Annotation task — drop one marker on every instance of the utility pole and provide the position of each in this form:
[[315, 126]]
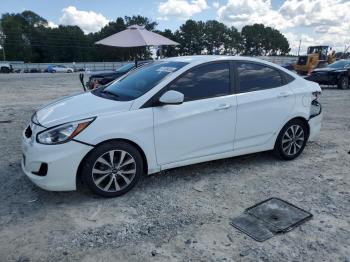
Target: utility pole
[[299, 47]]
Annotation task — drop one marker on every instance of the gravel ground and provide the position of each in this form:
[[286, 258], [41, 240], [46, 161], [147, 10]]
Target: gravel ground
[[178, 215]]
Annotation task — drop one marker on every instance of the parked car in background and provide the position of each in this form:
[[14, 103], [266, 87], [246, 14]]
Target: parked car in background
[[170, 113], [337, 73], [59, 69], [104, 77], [6, 68]]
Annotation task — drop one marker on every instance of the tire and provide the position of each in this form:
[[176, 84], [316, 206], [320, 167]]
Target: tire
[[53, 71], [5, 70], [343, 83], [289, 146], [112, 179]]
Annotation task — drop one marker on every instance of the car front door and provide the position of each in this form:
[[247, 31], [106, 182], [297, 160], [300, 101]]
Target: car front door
[[265, 102], [205, 123]]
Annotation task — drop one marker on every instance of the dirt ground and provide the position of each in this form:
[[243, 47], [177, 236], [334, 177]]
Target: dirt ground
[[179, 215]]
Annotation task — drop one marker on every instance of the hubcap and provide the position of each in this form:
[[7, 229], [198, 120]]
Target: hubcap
[[114, 171], [293, 140]]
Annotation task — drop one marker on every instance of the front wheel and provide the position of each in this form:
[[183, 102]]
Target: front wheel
[[291, 140], [343, 83], [112, 168]]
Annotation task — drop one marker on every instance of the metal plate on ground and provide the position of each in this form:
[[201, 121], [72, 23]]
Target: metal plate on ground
[[269, 217]]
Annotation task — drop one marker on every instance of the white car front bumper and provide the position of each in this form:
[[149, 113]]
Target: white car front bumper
[[62, 163]]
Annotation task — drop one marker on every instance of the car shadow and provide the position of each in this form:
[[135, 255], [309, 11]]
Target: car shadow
[[148, 184]]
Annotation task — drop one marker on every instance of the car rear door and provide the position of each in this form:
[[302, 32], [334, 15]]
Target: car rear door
[[204, 124], [264, 102]]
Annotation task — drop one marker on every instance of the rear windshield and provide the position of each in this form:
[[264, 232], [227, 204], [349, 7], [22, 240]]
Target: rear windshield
[[140, 81]]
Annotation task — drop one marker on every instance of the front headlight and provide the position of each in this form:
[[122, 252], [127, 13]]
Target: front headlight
[[63, 133]]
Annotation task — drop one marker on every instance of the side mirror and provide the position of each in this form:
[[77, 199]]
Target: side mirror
[[172, 98]]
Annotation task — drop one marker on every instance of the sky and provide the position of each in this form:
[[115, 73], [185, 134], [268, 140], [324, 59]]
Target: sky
[[314, 22]]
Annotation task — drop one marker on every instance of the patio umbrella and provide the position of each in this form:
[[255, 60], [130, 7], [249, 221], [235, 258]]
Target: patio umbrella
[[135, 36]]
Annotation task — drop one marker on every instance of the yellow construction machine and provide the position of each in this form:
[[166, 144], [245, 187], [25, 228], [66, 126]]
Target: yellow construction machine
[[317, 56]]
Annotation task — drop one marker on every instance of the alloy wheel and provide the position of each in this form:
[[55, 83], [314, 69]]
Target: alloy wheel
[[293, 140], [114, 170], [345, 84]]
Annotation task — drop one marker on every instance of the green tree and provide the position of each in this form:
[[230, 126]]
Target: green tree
[[190, 37], [169, 51], [26, 36], [233, 41], [260, 40], [16, 43], [141, 20], [215, 37]]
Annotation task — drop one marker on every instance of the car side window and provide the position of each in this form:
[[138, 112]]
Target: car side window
[[255, 77], [287, 78], [210, 80]]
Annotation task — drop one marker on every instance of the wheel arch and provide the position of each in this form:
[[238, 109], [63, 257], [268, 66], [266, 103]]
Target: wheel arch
[[303, 119], [143, 155]]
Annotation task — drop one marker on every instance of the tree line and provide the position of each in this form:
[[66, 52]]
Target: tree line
[[27, 37]]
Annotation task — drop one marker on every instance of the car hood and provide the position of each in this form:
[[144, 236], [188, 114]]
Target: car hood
[[328, 69], [76, 107]]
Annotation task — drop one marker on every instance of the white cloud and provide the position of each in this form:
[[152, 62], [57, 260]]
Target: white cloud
[[294, 41], [244, 12], [326, 21], [181, 9], [88, 21], [316, 12], [216, 5], [52, 24]]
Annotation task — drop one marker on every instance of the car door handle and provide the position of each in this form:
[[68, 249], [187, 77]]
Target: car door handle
[[222, 107], [283, 94]]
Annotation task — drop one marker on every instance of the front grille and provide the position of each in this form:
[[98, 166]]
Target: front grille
[[28, 132]]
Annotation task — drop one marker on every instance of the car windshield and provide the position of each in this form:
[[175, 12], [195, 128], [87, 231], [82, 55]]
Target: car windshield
[[340, 64], [140, 81], [125, 68]]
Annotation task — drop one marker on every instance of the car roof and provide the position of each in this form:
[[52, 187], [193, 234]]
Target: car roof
[[200, 59], [210, 58]]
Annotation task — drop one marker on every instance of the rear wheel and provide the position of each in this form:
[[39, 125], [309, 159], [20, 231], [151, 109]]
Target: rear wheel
[[291, 140], [343, 82], [112, 168]]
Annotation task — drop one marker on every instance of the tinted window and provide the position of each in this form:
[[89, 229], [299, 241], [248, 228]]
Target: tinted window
[[287, 78], [139, 81], [204, 81], [255, 77]]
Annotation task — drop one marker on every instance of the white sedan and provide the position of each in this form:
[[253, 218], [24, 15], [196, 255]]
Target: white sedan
[[170, 113], [60, 69]]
